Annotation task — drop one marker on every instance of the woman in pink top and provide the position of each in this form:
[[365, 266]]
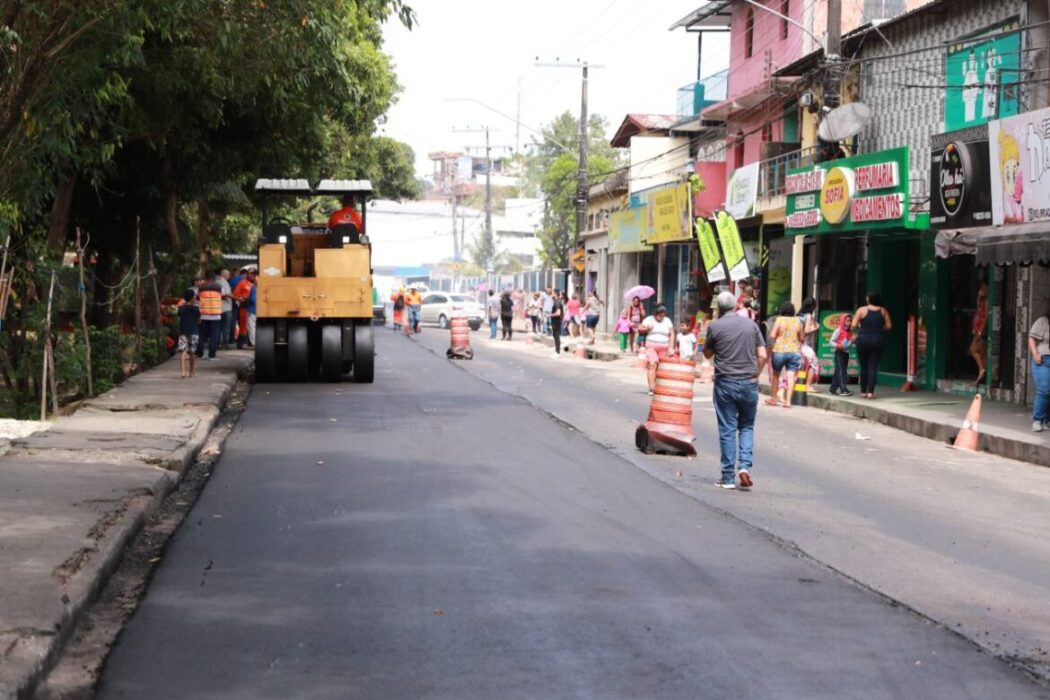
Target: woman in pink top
[[574, 316]]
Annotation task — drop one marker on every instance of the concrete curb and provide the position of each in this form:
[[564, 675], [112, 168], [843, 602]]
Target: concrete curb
[[37, 652], [937, 430]]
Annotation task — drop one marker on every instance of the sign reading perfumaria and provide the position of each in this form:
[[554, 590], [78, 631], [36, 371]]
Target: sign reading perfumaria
[[865, 192]]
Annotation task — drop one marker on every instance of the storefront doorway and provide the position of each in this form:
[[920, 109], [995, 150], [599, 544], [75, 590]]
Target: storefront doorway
[[965, 280]]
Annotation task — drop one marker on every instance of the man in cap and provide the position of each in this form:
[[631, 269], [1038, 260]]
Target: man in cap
[[739, 352], [347, 215]]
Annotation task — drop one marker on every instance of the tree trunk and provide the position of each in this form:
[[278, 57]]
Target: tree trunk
[[204, 236], [171, 220], [60, 208]]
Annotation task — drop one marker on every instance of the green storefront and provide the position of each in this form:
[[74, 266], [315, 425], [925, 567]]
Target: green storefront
[[859, 207]]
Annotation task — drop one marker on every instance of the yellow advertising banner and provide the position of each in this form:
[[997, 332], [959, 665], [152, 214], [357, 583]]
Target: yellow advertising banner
[[669, 214]]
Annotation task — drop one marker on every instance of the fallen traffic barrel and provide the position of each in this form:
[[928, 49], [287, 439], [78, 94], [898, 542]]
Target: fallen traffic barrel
[[459, 344], [670, 424]]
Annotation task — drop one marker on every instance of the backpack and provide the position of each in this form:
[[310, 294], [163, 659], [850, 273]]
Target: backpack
[[399, 303]]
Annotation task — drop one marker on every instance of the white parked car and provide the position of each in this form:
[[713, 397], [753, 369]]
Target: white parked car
[[438, 308]]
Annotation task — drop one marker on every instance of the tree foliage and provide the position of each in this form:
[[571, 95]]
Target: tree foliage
[[551, 171], [118, 116]]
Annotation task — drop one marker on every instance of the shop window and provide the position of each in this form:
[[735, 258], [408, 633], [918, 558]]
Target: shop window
[[785, 9], [749, 33]]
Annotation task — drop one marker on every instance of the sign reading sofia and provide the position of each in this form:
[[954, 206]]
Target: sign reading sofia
[[960, 194], [865, 192], [1019, 155]]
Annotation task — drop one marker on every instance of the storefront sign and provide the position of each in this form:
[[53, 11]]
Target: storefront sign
[[742, 191], [982, 80], [732, 248], [712, 258], [865, 192], [668, 214], [625, 232], [960, 190], [829, 322], [1019, 160]]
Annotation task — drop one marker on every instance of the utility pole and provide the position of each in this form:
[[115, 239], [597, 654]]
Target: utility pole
[[517, 122], [581, 171], [488, 245]]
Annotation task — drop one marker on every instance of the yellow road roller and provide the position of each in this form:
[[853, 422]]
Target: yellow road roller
[[314, 295]]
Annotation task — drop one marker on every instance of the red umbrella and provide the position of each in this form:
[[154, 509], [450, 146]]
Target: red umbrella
[[642, 291]]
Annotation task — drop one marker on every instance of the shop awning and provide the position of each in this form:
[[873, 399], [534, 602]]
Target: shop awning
[[1020, 244]]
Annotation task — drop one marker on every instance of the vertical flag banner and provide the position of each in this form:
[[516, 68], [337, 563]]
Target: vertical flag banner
[[729, 236], [705, 236]]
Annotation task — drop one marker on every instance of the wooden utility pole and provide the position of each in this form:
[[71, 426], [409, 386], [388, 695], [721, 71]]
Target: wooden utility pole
[[158, 325], [581, 170], [47, 363], [138, 291], [81, 252], [5, 281]]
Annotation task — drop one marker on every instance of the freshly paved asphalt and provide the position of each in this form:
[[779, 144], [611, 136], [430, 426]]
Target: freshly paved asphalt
[[431, 536]]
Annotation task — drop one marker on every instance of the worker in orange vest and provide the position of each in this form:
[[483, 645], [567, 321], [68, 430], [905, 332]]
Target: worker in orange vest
[[347, 215], [209, 296]]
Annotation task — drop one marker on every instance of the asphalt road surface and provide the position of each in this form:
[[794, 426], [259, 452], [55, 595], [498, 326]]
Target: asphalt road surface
[[432, 536]]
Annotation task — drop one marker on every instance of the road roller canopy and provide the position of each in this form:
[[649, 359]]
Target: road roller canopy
[[301, 187]]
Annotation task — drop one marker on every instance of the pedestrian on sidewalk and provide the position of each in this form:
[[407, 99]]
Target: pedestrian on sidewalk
[[736, 345], [1039, 347], [635, 314], [871, 322], [414, 300], [978, 347], [535, 312], [557, 313], [398, 297], [548, 306], [686, 341], [227, 309], [209, 295], [241, 293], [592, 313], [659, 341], [787, 337], [189, 333], [841, 340], [623, 328], [574, 316], [506, 312], [492, 310]]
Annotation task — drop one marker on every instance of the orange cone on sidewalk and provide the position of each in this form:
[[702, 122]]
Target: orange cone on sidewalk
[[670, 424], [580, 352], [971, 427]]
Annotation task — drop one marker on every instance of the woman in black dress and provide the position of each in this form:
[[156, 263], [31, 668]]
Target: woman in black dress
[[871, 323]]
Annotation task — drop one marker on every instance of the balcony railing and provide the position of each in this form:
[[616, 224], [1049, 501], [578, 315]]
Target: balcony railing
[[695, 96], [772, 171]]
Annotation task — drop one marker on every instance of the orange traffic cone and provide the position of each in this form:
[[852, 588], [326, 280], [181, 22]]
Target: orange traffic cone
[[580, 352], [967, 437]]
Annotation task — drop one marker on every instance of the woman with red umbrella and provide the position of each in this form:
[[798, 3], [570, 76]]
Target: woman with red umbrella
[[636, 311]]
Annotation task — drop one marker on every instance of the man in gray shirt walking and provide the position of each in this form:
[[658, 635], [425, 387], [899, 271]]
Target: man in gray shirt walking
[[739, 352]]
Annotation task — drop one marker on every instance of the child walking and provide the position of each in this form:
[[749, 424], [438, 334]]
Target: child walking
[[841, 340], [686, 341], [623, 327], [189, 333]]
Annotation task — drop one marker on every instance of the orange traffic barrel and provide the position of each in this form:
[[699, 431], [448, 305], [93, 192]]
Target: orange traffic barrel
[[670, 424], [459, 344]]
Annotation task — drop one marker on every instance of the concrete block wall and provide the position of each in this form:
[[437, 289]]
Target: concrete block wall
[[910, 115]]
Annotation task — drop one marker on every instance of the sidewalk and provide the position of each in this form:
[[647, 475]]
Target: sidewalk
[[73, 496], [1005, 428]]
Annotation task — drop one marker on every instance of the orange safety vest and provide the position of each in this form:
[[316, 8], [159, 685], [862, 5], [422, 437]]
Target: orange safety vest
[[210, 302]]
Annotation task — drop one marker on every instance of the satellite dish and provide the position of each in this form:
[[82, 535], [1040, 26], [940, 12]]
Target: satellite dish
[[844, 122]]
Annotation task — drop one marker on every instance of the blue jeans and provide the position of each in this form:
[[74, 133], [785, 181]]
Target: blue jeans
[[493, 327], [1041, 375], [227, 327], [413, 316], [736, 403]]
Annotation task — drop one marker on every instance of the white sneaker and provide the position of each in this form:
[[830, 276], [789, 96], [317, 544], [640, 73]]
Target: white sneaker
[[1038, 427]]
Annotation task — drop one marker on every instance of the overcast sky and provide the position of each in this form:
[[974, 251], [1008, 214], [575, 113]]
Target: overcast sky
[[480, 49]]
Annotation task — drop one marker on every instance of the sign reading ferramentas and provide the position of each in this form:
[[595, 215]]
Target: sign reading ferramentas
[[860, 193]]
